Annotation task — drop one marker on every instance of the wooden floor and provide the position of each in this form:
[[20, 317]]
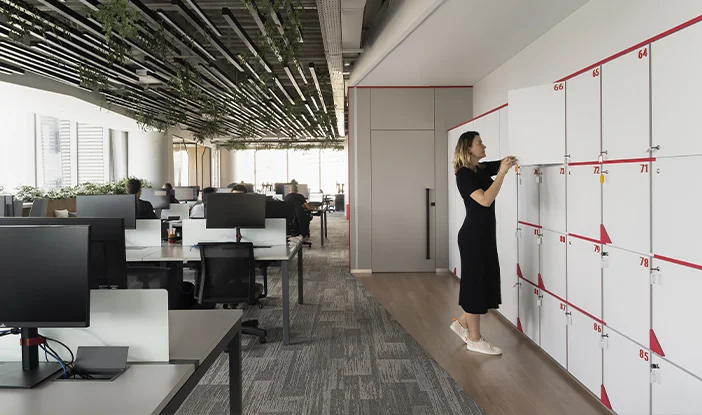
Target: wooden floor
[[524, 380]]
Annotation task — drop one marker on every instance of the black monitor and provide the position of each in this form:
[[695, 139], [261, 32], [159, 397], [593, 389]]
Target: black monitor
[[159, 198], [7, 208], [186, 193], [235, 211], [108, 206], [276, 209], [108, 261], [279, 187], [45, 283]]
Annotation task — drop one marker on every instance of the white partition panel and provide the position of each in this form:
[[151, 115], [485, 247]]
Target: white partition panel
[[491, 136], [176, 209], [195, 231], [508, 274], [674, 391], [529, 310], [676, 93], [537, 124], [585, 275], [625, 105], [626, 374], [584, 201], [552, 198], [677, 197], [134, 318], [675, 306], [553, 327], [552, 265], [147, 233], [583, 116], [584, 352], [626, 293]]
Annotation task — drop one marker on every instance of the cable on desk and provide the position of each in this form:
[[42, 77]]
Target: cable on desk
[[62, 344], [63, 366]]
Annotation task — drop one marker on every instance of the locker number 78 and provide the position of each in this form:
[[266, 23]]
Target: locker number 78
[[644, 262]]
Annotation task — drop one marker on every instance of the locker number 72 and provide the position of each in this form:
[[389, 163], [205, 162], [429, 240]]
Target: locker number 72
[[596, 169]]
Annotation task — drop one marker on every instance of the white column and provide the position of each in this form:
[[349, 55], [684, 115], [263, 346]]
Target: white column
[[227, 162], [118, 154], [147, 156]]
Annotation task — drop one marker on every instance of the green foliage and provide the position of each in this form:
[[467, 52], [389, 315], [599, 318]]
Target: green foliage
[[118, 20], [92, 78], [119, 187]]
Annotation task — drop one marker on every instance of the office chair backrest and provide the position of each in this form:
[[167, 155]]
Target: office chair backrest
[[39, 208], [228, 273], [18, 207]]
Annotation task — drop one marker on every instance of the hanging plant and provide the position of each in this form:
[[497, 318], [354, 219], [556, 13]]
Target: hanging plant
[[92, 78], [117, 17]]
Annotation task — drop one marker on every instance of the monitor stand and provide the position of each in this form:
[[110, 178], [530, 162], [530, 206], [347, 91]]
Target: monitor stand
[[30, 372], [238, 234]]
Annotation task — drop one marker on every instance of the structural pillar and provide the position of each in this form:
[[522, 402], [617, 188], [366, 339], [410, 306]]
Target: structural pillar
[[148, 155], [227, 163]]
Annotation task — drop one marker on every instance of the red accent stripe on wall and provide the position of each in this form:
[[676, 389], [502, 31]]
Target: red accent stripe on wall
[[604, 236], [678, 262], [410, 86], [584, 238], [479, 116], [622, 161], [566, 302], [633, 48], [530, 224], [604, 397], [585, 163]]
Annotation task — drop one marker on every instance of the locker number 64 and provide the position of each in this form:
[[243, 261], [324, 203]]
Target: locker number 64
[[643, 53]]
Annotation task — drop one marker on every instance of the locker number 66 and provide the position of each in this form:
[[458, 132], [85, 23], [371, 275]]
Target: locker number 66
[[558, 87]]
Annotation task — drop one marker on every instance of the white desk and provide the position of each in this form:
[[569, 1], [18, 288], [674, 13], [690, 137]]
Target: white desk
[[279, 253]]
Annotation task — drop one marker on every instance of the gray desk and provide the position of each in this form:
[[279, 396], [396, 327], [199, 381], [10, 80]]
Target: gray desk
[[278, 253], [197, 338]]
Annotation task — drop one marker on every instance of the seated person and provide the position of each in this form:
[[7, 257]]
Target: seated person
[[171, 193], [198, 211], [144, 209], [239, 188], [300, 202]]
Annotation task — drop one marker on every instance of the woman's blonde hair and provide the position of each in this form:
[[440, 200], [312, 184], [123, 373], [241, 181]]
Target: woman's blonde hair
[[461, 156]]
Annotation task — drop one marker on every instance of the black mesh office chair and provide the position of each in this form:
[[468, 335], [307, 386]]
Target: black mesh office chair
[[228, 276], [300, 214]]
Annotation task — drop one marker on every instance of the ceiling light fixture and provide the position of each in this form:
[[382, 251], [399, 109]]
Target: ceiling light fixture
[[294, 82], [313, 71]]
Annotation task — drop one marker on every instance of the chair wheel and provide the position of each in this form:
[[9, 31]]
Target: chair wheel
[[262, 340]]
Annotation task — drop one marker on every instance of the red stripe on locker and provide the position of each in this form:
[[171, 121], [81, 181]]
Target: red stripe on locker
[[454, 272], [677, 261], [541, 283], [586, 313], [530, 224], [655, 345], [519, 325], [623, 161], [529, 281], [584, 163], [584, 238], [566, 301], [604, 398], [604, 236], [479, 116], [519, 271]]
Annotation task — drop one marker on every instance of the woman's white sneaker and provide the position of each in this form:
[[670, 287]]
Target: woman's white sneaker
[[461, 331], [482, 346]]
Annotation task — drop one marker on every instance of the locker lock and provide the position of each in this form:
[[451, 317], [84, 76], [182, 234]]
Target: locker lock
[[655, 366], [653, 148]]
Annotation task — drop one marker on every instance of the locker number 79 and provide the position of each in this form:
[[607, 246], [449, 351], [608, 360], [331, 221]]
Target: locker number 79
[[597, 248]]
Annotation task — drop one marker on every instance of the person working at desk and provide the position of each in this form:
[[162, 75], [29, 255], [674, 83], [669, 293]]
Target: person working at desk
[[198, 211], [302, 209], [144, 209], [239, 188], [171, 193]]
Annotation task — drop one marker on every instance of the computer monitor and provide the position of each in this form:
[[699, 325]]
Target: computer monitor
[[276, 209], [235, 211], [45, 283], [108, 262], [316, 197], [249, 187], [7, 208], [159, 198], [186, 193], [108, 206], [279, 188]]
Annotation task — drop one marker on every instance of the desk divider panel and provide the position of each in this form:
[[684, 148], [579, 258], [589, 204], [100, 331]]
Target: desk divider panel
[[134, 318], [176, 209], [195, 231], [147, 233]]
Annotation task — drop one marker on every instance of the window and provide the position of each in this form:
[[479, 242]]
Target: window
[[54, 156], [303, 166], [91, 154], [244, 167], [334, 167], [271, 167]]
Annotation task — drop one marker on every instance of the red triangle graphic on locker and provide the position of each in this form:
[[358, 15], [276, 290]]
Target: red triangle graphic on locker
[[604, 236], [541, 283], [454, 272], [519, 325], [655, 344], [604, 398], [519, 271]]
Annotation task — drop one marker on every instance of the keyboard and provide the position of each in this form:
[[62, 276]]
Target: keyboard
[[262, 246]]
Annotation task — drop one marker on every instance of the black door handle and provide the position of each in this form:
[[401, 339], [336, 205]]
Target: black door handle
[[428, 191]]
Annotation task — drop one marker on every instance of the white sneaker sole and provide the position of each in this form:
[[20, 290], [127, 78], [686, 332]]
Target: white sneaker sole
[[482, 351]]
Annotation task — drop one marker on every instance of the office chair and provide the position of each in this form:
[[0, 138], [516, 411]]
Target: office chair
[[39, 208], [300, 212], [228, 277]]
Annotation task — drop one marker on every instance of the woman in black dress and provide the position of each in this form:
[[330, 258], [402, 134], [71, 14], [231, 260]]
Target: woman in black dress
[[480, 268]]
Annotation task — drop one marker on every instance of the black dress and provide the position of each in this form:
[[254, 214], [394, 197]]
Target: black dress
[[477, 243]]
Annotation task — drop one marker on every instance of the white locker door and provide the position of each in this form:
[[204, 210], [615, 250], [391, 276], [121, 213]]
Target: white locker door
[[584, 352], [552, 198], [677, 197], [505, 149], [528, 244], [625, 105], [675, 307], [553, 327], [626, 290], [459, 217], [583, 116], [676, 92], [479, 126], [529, 310], [507, 200], [528, 198], [584, 275], [553, 262], [584, 201], [626, 202], [491, 136], [626, 374], [674, 391]]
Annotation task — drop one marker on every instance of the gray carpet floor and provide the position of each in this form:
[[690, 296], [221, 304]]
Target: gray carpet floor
[[347, 354]]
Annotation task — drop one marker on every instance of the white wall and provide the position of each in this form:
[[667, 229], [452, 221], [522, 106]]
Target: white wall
[[596, 31], [148, 154], [17, 145]]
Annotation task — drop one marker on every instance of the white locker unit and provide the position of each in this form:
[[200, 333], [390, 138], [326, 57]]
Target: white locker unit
[[528, 244], [677, 222], [491, 135], [625, 105], [537, 124], [459, 211], [676, 93], [626, 292], [553, 325], [552, 198], [529, 310], [584, 352], [583, 117], [507, 202], [674, 391], [584, 201], [626, 374], [479, 126], [626, 205], [552, 264], [585, 275], [676, 297], [528, 194]]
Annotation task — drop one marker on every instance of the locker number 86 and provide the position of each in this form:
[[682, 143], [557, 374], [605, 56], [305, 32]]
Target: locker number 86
[[597, 327]]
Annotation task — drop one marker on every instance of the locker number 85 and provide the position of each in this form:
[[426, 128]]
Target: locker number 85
[[643, 354]]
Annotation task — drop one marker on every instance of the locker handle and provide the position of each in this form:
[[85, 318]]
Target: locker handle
[[428, 201]]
